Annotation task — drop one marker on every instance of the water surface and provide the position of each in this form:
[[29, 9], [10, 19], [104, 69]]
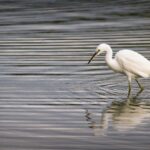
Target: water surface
[[50, 98]]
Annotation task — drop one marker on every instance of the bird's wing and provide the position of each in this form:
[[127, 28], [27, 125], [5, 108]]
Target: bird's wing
[[133, 62]]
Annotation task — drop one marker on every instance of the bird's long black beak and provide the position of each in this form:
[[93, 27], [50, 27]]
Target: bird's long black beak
[[92, 57]]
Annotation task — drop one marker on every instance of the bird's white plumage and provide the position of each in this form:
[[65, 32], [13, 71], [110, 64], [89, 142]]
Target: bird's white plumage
[[128, 62], [134, 63]]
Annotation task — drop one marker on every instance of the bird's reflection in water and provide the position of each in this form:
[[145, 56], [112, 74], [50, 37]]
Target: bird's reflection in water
[[121, 116]]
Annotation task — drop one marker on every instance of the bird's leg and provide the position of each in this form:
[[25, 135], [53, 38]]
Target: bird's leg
[[129, 88], [140, 86], [129, 84]]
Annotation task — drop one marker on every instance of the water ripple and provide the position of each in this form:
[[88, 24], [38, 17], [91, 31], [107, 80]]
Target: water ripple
[[50, 98]]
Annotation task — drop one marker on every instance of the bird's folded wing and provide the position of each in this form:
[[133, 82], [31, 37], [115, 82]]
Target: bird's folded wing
[[134, 63]]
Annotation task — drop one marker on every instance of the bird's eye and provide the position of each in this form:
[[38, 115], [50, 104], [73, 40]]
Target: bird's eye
[[98, 50]]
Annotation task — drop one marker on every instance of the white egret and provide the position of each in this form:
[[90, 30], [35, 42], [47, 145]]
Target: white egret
[[127, 62]]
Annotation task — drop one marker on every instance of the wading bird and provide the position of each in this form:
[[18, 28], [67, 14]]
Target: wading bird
[[127, 62]]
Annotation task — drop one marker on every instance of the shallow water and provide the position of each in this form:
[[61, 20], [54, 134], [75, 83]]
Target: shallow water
[[50, 98]]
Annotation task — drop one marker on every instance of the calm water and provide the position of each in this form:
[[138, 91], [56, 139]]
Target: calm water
[[50, 98]]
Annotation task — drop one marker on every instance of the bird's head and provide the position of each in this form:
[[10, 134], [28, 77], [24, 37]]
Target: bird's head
[[100, 49]]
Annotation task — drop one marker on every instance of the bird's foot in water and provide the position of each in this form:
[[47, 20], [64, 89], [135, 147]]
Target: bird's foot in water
[[140, 91]]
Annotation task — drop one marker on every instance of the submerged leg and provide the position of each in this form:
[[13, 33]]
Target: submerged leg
[[129, 84], [140, 86], [129, 88]]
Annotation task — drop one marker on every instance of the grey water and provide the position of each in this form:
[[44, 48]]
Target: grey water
[[50, 98]]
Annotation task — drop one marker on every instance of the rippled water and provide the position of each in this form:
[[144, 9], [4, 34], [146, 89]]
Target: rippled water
[[50, 98]]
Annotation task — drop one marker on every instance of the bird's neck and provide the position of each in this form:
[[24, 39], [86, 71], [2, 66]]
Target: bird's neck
[[112, 63], [108, 57]]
